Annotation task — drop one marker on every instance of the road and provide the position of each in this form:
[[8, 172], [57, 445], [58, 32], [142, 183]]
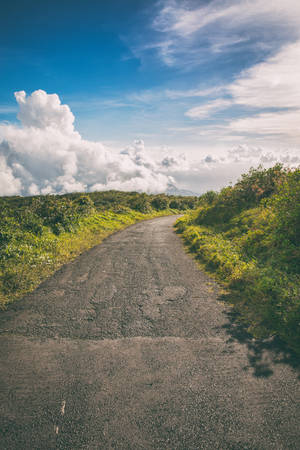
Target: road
[[130, 347]]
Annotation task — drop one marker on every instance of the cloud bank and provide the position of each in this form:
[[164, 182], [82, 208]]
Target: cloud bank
[[46, 155]]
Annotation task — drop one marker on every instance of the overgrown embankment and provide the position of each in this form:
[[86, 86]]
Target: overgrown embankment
[[248, 235], [39, 234]]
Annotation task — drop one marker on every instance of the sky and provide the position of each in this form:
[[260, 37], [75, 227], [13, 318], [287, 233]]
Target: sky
[[144, 95]]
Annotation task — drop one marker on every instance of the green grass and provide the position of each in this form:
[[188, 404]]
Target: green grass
[[39, 234], [251, 244], [35, 258]]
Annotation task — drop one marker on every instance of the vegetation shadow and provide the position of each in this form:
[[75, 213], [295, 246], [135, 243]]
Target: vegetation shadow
[[263, 354]]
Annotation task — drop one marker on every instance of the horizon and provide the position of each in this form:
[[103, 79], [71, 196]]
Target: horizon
[[138, 97]]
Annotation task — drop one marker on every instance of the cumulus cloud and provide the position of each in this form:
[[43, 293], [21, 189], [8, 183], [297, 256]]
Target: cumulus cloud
[[215, 171], [9, 185], [210, 159], [45, 154], [290, 159], [42, 110], [244, 152], [257, 155], [170, 163], [268, 157]]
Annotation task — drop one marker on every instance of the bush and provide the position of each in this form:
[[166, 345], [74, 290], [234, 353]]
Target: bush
[[286, 203], [160, 202], [140, 203], [208, 198], [248, 235], [176, 204], [254, 186], [84, 205], [38, 234], [31, 222]]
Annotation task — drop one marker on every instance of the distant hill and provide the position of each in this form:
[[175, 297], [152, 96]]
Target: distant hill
[[173, 190]]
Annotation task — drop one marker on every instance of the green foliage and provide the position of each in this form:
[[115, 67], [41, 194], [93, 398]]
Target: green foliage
[[83, 205], [38, 234], [160, 202], [248, 235], [256, 185], [286, 203], [175, 204], [208, 198], [140, 203], [183, 203], [60, 214]]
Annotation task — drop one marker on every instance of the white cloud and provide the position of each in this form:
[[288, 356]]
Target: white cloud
[[290, 159], [9, 185], [232, 14], [266, 95], [244, 152], [175, 94], [46, 155], [205, 110], [258, 155], [273, 83], [268, 158], [210, 159], [210, 174], [189, 32], [42, 110], [277, 123]]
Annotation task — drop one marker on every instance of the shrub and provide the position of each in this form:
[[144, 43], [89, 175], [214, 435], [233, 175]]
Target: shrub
[[30, 221], [248, 235], [84, 205], [175, 204], [160, 202], [208, 198], [286, 203], [140, 203], [254, 186]]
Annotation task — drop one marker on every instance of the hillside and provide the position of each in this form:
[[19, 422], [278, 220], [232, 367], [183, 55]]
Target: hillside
[[248, 236], [39, 234]]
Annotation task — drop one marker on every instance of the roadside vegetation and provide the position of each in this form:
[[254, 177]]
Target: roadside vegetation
[[248, 235], [39, 234]]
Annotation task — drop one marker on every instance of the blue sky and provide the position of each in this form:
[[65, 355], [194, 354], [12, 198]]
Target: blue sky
[[196, 77]]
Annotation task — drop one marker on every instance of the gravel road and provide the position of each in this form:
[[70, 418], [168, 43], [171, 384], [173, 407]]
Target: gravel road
[[130, 347]]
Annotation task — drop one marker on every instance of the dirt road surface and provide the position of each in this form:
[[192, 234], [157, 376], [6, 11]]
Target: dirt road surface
[[128, 347]]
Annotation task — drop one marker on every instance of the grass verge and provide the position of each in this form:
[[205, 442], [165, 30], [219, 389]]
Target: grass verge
[[247, 236], [32, 259], [266, 298]]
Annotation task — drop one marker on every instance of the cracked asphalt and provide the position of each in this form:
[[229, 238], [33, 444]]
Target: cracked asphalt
[[130, 347]]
